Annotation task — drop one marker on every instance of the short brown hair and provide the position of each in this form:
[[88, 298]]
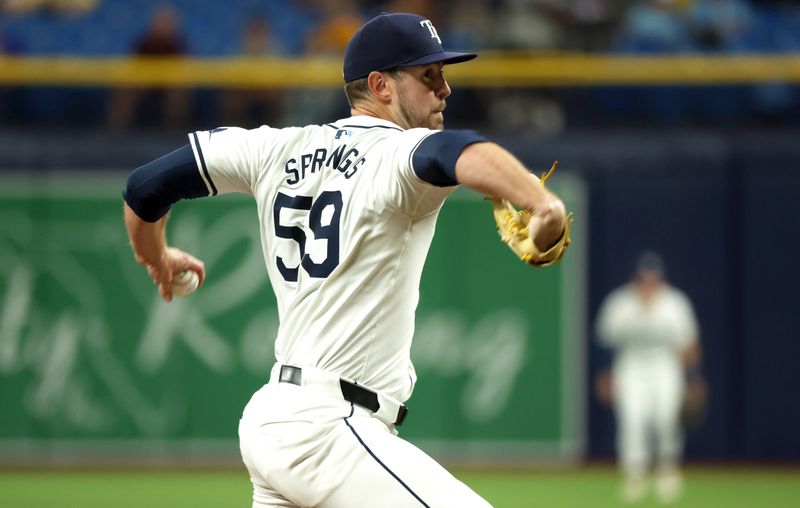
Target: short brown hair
[[358, 89]]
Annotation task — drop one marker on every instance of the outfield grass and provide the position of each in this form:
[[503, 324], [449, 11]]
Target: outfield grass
[[576, 488], [598, 488]]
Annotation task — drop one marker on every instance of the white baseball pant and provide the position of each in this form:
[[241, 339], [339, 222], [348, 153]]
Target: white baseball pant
[[648, 395], [305, 446]]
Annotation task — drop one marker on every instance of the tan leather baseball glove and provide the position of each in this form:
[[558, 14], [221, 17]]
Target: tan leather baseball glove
[[512, 226]]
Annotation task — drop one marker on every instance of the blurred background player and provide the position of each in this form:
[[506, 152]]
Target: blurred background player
[[652, 330]]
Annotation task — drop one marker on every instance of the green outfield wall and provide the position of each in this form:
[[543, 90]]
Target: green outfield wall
[[92, 361]]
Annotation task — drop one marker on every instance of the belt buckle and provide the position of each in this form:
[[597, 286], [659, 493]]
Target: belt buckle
[[290, 374]]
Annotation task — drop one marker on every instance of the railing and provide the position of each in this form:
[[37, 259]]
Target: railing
[[489, 70]]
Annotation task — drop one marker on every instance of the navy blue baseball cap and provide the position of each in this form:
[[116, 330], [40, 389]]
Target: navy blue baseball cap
[[392, 40]]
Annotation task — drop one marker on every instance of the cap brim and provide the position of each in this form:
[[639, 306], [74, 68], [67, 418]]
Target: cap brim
[[446, 57]]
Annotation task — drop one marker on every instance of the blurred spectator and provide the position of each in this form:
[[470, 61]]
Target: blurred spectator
[[553, 24], [720, 25], [426, 8], [337, 23], [251, 107], [530, 24], [469, 25], [258, 39], [168, 107], [535, 110], [592, 24], [652, 330], [65, 7], [163, 38], [654, 26]]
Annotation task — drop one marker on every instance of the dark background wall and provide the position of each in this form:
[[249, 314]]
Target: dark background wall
[[722, 209]]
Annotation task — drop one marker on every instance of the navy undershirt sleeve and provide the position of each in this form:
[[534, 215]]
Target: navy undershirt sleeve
[[434, 159], [153, 188]]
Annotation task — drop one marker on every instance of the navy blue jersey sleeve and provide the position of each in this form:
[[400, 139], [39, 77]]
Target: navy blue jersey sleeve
[[434, 159], [153, 188]]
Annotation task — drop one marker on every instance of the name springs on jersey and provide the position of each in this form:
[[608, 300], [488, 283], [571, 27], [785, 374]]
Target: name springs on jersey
[[344, 160]]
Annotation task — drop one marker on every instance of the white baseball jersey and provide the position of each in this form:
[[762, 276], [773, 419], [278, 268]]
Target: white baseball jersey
[[346, 225], [640, 332]]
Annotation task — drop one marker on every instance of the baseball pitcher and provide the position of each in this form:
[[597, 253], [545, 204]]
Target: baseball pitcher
[[347, 212]]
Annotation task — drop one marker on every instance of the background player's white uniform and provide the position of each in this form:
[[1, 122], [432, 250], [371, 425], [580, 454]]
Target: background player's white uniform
[[648, 374], [346, 225]]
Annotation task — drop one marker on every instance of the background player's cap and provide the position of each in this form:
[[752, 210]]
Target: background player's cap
[[649, 261], [392, 40]]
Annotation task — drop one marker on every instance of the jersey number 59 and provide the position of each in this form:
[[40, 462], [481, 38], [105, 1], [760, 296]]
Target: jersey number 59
[[329, 232]]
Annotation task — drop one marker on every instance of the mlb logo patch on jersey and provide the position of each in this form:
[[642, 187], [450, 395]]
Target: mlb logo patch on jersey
[[344, 133]]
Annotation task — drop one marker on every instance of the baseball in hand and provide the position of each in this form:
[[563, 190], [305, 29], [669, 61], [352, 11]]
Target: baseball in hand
[[185, 283]]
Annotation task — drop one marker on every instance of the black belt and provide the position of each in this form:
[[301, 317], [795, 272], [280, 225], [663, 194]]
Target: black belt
[[351, 392]]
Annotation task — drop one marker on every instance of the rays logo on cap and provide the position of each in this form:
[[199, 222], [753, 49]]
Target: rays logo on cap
[[393, 40], [432, 29]]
